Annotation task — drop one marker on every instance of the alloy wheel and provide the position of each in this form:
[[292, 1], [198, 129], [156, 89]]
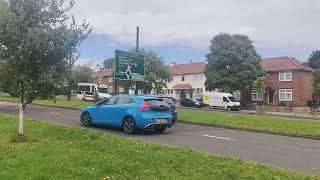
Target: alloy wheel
[[86, 119], [128, 125]]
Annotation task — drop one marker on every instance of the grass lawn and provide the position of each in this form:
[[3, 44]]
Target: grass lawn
[[59, 152], [60, 102], [258, 122]]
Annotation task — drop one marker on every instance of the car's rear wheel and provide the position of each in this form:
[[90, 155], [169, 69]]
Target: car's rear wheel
[[161, 129], [86, 119], [129, 125]]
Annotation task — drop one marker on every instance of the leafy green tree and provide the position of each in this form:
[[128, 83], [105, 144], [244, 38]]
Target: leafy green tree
[[314, 60], [35, 45], [82, 74], [108, 63], [233, 64], [259, 85], [316, 81], [156, 72], [76, 34]]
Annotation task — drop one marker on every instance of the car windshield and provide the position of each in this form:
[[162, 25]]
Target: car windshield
[[102, 90], [232, 99]]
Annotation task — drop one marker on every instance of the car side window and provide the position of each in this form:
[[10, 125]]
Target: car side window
[[132, 101], [225, 99], [109, 101], [123, 100]]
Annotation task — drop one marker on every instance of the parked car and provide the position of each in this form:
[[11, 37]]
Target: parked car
[[172, 103], [221, 100], [129, 112], [192, 103]]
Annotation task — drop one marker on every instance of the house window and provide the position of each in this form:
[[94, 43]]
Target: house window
[[182, 78], [285, 76], [256, 95], [171, 91], [110, 79], [285, 94]]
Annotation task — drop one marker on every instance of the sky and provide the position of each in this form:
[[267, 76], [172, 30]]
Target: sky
[[181, 30]]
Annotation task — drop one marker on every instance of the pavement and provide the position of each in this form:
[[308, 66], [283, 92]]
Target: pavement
[[298, 154]]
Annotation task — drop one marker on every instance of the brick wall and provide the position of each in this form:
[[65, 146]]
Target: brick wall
[[301, 85]]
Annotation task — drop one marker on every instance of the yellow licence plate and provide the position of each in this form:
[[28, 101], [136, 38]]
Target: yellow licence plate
[[162, 120]]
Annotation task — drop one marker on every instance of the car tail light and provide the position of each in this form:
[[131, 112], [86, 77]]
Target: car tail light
[[145, 106]]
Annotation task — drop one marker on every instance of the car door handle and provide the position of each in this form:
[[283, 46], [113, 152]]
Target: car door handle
[[123, 108]]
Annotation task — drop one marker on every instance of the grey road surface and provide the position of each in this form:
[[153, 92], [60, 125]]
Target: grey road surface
[[281, 151]]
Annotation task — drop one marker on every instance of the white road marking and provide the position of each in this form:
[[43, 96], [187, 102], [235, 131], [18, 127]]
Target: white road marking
[[55, 113], [217, 137]]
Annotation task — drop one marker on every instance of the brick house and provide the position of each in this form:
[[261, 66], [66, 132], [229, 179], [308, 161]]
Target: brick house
[[106, 77], [288, 82]]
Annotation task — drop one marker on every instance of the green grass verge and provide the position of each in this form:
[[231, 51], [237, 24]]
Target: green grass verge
[[250, 121], [60, 102], [59, 152]]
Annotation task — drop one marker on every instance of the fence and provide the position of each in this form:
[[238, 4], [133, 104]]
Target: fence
[[305, 112]]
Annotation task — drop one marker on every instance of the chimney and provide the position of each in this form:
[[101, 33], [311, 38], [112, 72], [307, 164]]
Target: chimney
[[190, 61]]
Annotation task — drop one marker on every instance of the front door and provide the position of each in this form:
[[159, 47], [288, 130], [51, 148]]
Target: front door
[[270, 97], [105, 113], [183, 94]]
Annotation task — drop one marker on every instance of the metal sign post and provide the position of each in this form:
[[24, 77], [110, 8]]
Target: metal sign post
[[129, 66]]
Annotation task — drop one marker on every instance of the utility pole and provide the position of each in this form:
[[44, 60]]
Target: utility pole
[[137, 51]]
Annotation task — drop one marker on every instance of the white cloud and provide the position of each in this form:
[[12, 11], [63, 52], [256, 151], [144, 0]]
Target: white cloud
[[269, 23], [83, 61]]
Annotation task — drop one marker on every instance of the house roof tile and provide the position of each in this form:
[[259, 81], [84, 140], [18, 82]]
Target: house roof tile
[[182, 86], [190, 68], [282, 64], [106, 73]]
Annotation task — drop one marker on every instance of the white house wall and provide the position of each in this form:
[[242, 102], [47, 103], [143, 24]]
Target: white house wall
[[188, 79]]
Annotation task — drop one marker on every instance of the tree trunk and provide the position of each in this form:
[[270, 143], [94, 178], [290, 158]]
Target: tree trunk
[[21, 119], [244, 97], [69, 91]]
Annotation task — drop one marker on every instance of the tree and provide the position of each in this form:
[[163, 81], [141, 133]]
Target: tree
[[108, 63], [259, 85], [76, 35], [82, 74], [156, 72], [233, 64], [316, 81], [314, 60], [35, 45]]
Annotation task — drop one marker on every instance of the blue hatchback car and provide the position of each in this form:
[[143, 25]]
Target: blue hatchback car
[[129, 112]]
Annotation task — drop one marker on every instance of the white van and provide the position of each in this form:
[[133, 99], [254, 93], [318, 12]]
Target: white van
[[221, 100], [102, 90]]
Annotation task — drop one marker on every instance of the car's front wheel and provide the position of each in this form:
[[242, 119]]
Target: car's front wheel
[[86, 119], [129, 125]]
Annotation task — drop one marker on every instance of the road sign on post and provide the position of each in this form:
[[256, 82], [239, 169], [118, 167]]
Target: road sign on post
[[129, 66]]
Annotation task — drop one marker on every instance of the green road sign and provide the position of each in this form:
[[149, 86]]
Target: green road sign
[[129, 66]]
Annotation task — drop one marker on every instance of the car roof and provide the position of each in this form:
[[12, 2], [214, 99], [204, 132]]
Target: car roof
[[137, 96]]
